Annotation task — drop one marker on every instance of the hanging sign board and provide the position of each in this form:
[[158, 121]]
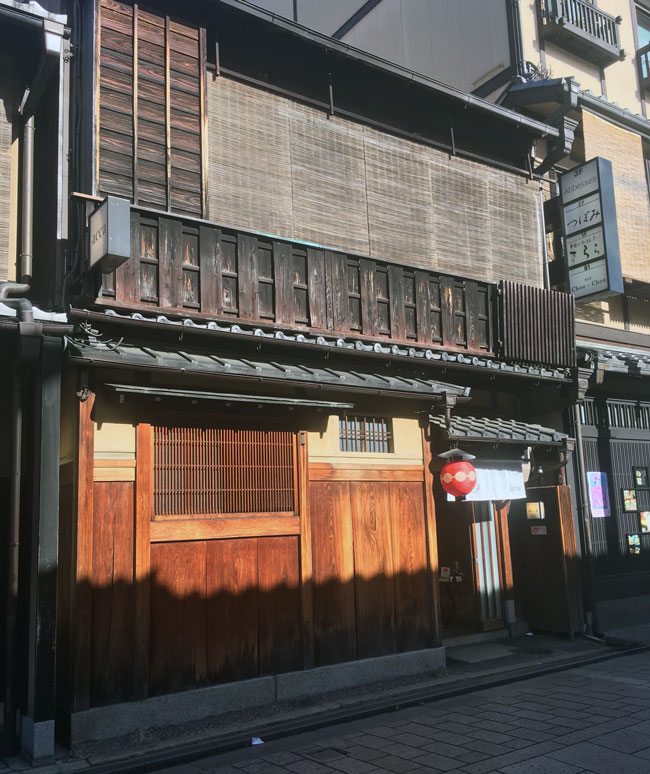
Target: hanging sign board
[[109, 228], [590, 231], [497, 481]]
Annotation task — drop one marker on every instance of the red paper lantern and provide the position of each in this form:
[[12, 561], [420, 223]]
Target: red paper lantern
[[458, 478]]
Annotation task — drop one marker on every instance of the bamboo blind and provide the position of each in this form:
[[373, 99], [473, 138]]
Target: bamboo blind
[[6, 125], [625, 151], [211, 471], [288, 169]]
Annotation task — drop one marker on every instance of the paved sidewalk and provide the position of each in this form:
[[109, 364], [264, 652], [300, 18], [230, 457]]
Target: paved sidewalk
[[589, 719]]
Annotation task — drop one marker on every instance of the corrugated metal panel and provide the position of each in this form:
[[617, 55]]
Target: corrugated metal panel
[[487, 562], [609, 535], [288, 169], [7, 108]]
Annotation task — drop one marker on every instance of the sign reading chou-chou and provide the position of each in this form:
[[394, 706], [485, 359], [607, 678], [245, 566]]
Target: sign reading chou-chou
[[591, 231]]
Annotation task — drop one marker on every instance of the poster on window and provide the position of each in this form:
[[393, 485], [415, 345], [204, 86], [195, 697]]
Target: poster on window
[[598, 494]]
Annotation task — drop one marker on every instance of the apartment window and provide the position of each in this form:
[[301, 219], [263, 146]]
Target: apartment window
[[372, 435], [643, 27]]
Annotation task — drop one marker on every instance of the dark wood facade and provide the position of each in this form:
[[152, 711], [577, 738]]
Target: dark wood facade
[[183, 601], [218, 548], [205, 271]]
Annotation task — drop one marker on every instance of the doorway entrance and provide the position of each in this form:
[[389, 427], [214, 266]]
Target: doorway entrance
[[470, 567]]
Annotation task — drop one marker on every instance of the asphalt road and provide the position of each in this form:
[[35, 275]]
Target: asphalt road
[[589, 719]]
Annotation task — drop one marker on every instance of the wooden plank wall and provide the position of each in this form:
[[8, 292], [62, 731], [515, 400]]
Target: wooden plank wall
[[240, 276], [168, 612], [151, 133], [372, 580]]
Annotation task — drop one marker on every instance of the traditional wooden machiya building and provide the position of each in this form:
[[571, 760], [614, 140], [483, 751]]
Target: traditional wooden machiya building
[[328, 272]]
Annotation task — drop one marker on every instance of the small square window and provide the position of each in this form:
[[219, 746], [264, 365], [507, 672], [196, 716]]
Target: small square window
[[372, 435]]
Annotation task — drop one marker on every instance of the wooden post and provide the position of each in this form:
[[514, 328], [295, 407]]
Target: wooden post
[[306, 579], [82, 602], [432, 538], [142, 555]]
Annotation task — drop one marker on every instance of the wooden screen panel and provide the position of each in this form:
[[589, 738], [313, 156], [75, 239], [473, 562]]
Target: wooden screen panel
[[412, 589], [151, 114], [332, 572], [232, 609], [116, 136], [112, 653], [178, 616], [374, 568], [211, 471]]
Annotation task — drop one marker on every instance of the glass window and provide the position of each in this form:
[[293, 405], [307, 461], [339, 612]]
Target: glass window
[[372, 435]]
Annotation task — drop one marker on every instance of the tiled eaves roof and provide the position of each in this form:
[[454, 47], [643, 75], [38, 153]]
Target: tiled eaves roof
[[410, 354], [614, 359], [258, 369], [501, 430]]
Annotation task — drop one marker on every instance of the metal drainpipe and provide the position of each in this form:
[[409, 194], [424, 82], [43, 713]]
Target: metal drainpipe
[[26, 253], [547, 276], [25, 314], [585, 522], [13, 544]]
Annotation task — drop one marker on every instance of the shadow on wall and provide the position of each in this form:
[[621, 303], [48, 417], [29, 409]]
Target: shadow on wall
[[207, 624]]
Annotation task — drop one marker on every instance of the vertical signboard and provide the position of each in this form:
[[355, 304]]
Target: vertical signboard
[[590, 231]]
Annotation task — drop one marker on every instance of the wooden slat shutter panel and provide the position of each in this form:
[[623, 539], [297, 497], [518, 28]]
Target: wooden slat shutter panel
[[116, 99], [151, 109]]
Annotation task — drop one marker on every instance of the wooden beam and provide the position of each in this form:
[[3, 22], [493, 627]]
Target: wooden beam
[[82, 594], [203, 62], [321, 471], [306, 573], [219, 528], [142, 555], [432, 539]]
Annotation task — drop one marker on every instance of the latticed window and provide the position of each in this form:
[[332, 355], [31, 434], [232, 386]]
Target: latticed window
[[365, 434], [213, 471]]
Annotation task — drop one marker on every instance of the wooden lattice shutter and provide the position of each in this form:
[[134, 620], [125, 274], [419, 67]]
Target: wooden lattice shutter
[[151, 114]]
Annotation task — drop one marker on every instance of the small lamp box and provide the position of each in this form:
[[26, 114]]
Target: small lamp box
[[109, 229]]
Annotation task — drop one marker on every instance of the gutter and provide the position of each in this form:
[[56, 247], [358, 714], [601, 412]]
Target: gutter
[[537, 128]]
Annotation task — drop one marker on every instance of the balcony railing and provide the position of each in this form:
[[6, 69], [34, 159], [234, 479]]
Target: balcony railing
[[582, 28], [180, 266], [643, 67]]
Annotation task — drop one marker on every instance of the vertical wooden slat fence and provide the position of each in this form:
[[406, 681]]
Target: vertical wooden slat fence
[[537, 326], [212, 471]]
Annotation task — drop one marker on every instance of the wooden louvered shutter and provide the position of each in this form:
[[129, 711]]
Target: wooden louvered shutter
[[151, 127]]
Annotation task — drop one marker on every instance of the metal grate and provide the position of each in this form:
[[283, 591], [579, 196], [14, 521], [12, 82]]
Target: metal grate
[[211, 471], [365, 434]]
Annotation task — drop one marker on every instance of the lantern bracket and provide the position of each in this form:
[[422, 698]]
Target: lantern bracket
[[456, 454]]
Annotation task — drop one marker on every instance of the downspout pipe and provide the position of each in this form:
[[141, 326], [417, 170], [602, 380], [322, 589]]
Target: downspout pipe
[[13, 548], [25, 315], [589, 588], [27, 224]]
